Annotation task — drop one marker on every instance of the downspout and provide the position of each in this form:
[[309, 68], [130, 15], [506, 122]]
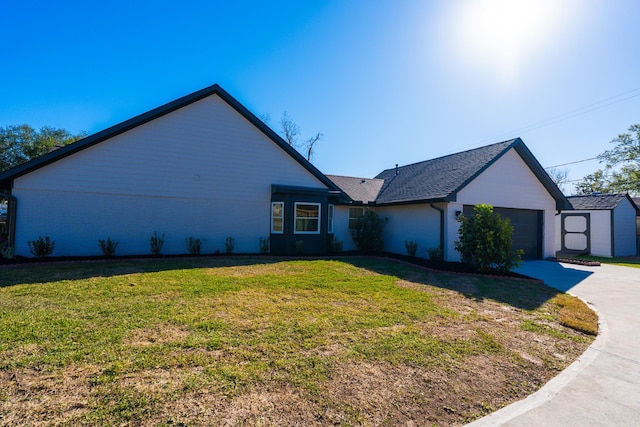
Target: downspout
[[441, 228]]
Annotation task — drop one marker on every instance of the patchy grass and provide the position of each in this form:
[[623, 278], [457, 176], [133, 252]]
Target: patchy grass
[[576, 314], [260, 341]]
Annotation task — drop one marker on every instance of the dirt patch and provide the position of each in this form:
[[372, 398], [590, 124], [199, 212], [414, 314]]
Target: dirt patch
[[161, 334]]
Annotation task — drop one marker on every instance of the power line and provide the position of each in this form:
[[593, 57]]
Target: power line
[[572, 163], [569, 115]]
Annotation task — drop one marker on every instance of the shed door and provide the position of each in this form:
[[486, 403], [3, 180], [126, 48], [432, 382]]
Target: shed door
[[527, 229]]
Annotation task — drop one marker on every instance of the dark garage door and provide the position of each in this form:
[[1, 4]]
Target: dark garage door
[[527, 229]]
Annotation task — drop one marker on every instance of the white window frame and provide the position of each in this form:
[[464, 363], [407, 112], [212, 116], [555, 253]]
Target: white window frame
[[281, 217], [295, 217], [353, 217], [330, 213]]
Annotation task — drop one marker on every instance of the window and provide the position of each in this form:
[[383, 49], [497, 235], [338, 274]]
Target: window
[[307, 218], [277, 217], [330, 219], [354, 215]]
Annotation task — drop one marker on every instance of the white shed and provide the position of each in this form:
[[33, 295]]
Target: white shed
[[599, 224]]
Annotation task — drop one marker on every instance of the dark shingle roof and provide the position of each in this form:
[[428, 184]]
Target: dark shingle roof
[[440, 179], [364, 190], [437, 179], [597, 201]]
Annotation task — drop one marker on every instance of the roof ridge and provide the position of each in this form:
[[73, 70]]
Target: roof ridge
[[510, 141], [350, 176]]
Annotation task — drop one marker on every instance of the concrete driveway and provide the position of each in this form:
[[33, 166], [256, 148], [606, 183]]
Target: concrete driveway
[[601, 388]]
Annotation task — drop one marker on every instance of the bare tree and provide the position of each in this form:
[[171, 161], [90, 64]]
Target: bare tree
[[289, 129], [311, 143], [559, 176], [290, 132]]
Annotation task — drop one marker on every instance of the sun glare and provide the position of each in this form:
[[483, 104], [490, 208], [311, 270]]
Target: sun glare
[[504, 34]]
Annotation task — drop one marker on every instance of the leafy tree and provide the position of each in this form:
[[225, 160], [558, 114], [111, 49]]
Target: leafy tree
[[367, 233], [21, 143], [596, 182], [485, 240], [625, 155]]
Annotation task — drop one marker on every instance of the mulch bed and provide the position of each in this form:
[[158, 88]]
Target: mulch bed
[[444, 266], [577, 261]]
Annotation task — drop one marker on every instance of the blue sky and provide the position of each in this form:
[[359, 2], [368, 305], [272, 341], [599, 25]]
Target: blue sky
[[385, 81]]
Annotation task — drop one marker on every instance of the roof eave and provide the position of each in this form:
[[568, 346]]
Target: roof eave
[[8, 176]]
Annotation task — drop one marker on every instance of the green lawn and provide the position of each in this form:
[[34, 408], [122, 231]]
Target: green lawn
[[261, 341]]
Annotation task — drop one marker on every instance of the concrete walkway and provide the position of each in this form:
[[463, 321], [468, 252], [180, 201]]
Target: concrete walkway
[[601, 388]]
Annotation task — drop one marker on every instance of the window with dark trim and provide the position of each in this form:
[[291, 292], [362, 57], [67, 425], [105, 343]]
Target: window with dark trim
[[307, 218], [354, 215], [277, 217]]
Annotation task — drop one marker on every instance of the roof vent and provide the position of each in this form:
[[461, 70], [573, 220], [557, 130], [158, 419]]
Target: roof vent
[[397, 169]]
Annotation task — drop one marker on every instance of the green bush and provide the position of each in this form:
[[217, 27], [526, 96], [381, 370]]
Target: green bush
[[367, 233], [264, 245], [485, 240], [7, 252], [229, 245], [411, 247], [335, 245], [42, 247], [435, 254], [193, 245], [108, 246], [299, 247], [156, 243]]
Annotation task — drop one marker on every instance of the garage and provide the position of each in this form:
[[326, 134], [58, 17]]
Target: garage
[[527, 229]]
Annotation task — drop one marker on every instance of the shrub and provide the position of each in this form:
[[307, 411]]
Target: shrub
[[335, 245], [264, 245], [485, 240], [435, 254], [7, 252], [108, 246], [300, 247], [156, 243], [229, 245], [42, 247], [411, 246], [367, 233], [193, 245]]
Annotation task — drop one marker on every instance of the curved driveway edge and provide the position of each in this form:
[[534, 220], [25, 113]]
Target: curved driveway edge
[[602, 387]]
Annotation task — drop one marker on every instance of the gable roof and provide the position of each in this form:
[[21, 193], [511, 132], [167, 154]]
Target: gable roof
[[441, 179], [364, 190], [8, 176], [599, 201]]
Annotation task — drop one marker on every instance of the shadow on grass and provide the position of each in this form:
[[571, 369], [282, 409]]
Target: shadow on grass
[[47, 271], [523, 294]]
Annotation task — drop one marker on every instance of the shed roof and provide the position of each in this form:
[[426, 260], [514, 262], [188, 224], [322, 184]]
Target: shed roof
[[599, 201]]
